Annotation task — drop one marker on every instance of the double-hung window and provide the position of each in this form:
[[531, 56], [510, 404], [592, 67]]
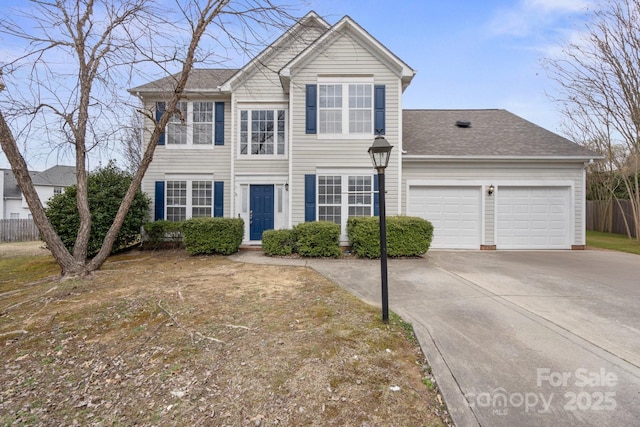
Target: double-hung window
[[202, 123], [188, 199], [344, 196], [192, 125], [345, 108], [262, 132]]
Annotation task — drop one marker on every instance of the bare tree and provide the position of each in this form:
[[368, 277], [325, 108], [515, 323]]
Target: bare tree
[[599, 80], [132, 143], [102, 42]]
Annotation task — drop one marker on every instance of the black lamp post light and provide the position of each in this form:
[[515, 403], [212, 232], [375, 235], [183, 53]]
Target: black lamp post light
[[380, 153]]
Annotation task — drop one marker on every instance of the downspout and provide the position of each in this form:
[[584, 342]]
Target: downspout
[[232, 148], [292, 187], [400, 149]]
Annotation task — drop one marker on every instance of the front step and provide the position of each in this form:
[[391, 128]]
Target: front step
[[251, 247]]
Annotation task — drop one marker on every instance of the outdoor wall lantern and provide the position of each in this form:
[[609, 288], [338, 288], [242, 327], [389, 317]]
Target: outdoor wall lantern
[[491, 189], [286, 186], [380, 153]]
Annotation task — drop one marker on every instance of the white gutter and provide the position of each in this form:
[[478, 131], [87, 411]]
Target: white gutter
[[418, 158]]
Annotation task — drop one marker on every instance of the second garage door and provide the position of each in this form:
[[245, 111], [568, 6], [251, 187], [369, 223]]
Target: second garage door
[[453, 211], [533, 218]]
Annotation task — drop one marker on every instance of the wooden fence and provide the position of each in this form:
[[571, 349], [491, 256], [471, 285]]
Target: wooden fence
[[609, 216], [18, 230]]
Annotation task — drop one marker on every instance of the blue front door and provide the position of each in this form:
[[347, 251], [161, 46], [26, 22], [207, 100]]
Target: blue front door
[[261, 205]]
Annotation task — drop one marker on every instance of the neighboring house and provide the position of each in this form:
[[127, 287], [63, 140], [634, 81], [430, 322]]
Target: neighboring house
[[284, 140], [52, 181]]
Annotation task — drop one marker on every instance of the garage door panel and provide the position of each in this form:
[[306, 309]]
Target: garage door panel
[[533, 218], [454, 212]]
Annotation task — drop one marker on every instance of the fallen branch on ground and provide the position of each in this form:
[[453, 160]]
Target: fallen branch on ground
[[191, 334]]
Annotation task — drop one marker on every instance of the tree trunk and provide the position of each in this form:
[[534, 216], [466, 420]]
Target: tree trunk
[[68, 264]]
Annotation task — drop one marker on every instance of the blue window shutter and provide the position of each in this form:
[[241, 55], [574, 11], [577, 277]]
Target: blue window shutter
[[311, 105], [160, 106], [159, 201], [379, 113], [219, 124], [309, 198], [218, 198], [376, 196]]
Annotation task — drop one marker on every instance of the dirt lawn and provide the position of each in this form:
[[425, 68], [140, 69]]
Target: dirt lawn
[[162, 338]]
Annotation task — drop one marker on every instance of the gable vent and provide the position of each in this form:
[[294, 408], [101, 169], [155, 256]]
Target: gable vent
[[463, 123]]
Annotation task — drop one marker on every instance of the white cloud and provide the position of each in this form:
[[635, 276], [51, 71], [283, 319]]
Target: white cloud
[[529, 16], [551, 6]]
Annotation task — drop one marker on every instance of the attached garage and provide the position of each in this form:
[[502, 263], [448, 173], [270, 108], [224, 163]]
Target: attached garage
[[455, 213], [488, 179], [533, 218]]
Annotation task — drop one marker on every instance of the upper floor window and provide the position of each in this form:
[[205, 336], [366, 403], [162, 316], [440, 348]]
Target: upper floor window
[[193, 125], [57, 190], [345, 108], [262, 132]]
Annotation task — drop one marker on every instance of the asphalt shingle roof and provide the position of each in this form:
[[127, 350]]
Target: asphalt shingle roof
[[56, 176], [492, 133], [199, 79]]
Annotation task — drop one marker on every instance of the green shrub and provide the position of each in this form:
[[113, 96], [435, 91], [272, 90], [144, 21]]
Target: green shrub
[[106, 188], [406, 236], [364, 235], [278, 242], [318, 239], [161, 234], [212, 235]]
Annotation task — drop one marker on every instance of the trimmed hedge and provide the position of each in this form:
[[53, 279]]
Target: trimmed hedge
[[212, 235], [278, 242], [161, 234], [406, 236], [318, 239]]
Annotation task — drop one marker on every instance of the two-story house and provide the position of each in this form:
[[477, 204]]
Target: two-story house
[[284, 140], [47, 183]]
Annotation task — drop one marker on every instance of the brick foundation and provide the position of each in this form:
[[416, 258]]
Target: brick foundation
[[578, 247]]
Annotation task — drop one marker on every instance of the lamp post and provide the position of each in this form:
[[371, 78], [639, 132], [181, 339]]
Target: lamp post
[[380, 153]]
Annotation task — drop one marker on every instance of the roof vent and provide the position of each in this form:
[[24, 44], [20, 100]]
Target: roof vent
[[463, 123]]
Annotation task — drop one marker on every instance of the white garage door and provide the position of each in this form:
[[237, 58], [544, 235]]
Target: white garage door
[[533, 218], [453, 211]]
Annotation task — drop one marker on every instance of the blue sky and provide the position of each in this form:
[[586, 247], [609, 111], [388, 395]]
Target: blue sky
[[467, 53], [471, 54]]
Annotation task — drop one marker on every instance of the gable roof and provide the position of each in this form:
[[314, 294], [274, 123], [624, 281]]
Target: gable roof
[[222, 79], [491, 134], [56, 176], [200, 80], [348, 25], [310, 20]]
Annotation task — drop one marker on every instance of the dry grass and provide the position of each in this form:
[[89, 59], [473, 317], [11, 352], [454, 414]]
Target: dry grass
[[161, 338]]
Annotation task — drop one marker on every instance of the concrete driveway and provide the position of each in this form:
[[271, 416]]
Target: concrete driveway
[[525, 338]]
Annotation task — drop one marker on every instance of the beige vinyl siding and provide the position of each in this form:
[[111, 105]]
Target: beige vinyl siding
[[346, 57], [263, 84], [264, 166], [502, 173], [189, 161]]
